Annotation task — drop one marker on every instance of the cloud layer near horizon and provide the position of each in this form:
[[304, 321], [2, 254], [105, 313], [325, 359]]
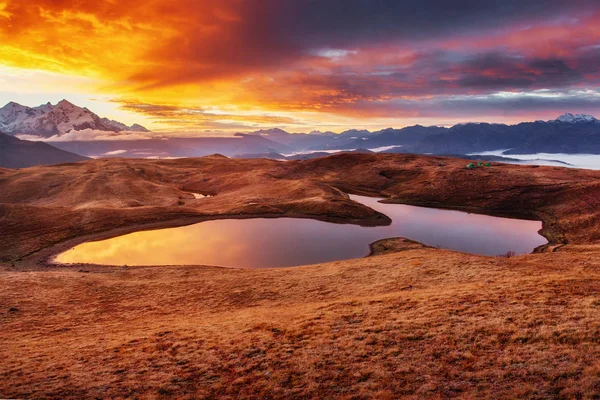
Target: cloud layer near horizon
[[216, 64]]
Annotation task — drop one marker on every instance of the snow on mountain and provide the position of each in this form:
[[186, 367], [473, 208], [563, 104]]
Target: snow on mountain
[[50, 120], [119, 126], [569, 118], [137, 128], [269, 132], [116, 124]]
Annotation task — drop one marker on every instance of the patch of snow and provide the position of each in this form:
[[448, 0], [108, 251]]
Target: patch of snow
[[114, 152], [569, 118], [298, 153], [384, 148]]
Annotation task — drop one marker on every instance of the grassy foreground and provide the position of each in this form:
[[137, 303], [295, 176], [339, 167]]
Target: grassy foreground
[[411, 322]]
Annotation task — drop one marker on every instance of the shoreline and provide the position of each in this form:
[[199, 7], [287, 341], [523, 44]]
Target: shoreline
[[407, 320], [45, 258], [42, 258], [482, 193]]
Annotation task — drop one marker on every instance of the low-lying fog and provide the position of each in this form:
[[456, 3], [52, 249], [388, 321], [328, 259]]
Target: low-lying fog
[[587, 161]]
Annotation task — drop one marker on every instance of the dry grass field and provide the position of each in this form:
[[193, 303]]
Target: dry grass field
[[408, 321]]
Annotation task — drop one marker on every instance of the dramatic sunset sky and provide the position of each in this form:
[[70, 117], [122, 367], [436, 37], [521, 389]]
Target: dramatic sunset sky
[[237, 65]]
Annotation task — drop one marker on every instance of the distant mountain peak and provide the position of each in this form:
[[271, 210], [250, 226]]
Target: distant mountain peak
[[575, 118], [320, 133], [270, 132], [355, 133], [64, 103], [49, 120]]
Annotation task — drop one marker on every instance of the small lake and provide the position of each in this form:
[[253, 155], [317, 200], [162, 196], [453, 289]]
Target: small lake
[[285, 242]]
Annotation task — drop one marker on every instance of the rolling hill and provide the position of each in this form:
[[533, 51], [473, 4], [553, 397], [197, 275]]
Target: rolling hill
[[16, 153]]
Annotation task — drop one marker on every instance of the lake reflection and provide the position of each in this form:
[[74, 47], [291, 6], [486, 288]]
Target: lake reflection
[[284, 242]]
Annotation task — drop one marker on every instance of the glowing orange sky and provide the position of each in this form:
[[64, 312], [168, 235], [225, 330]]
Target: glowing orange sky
[[242, 64]]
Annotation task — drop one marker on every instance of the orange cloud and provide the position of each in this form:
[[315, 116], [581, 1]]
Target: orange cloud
[[206, 118], [262, 60]]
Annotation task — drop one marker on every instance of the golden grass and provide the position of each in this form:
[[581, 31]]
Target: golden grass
[[408, 322], [419, 323]]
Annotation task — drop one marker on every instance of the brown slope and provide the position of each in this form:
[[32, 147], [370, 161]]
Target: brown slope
[[418, 323], [48, 204], [422, 323]]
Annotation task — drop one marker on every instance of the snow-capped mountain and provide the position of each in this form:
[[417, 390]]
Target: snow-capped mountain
[[569, 118], [49, 120], [269, 132]]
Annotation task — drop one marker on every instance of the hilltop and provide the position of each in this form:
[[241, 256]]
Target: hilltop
[[15, 153]]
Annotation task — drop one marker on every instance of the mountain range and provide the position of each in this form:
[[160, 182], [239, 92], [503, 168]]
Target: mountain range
[[175, 147], [315, 140], [50, 120], [569, 133]]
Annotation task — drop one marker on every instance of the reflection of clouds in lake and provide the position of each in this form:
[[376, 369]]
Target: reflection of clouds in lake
[[261, 242]]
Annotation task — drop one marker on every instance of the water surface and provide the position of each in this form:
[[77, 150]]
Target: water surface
[[284, 242]]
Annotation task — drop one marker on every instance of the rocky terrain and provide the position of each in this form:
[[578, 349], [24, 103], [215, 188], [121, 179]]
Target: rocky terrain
[[408, 320]]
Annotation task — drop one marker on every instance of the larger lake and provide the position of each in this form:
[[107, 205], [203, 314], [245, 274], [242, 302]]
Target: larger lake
[[285, 242]]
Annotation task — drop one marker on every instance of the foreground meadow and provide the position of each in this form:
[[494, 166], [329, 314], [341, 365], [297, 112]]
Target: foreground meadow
[[408, 321]]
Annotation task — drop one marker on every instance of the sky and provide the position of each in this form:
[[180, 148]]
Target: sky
[[236, 65]]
